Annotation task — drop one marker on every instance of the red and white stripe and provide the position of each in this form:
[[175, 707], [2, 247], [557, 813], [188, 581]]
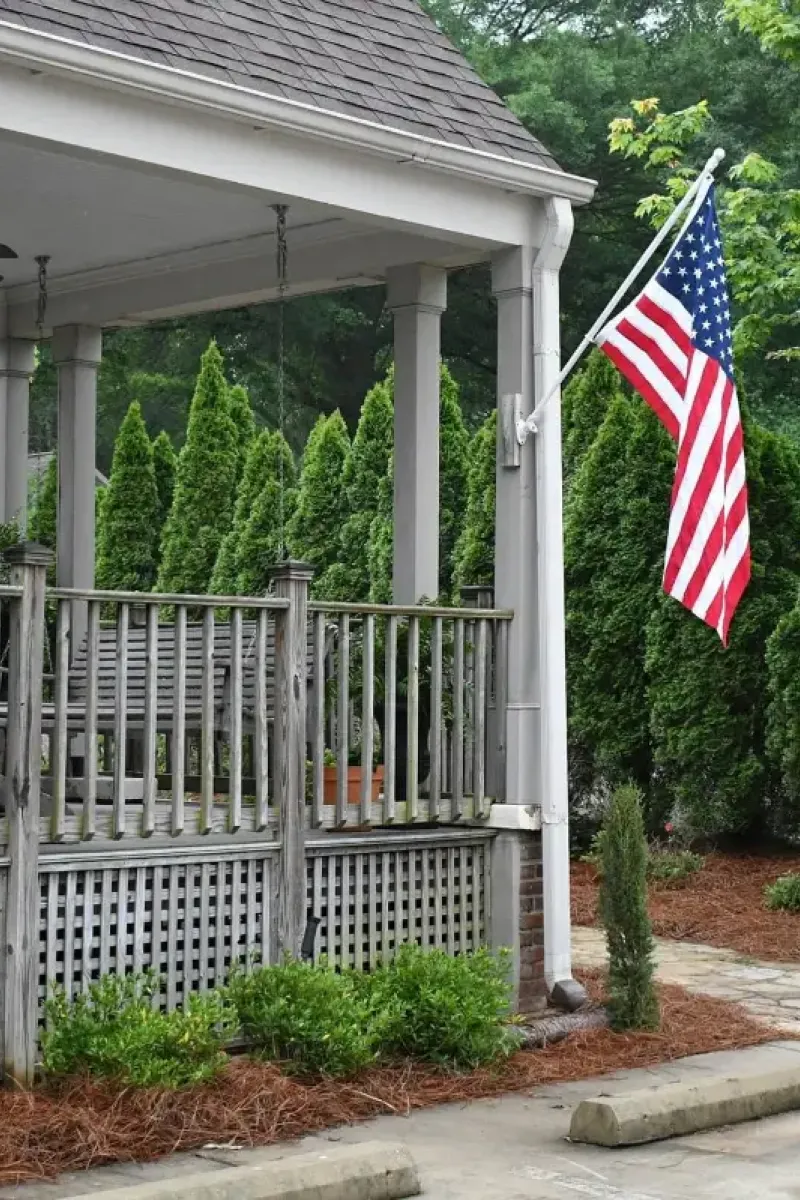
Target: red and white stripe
[[708, 549]]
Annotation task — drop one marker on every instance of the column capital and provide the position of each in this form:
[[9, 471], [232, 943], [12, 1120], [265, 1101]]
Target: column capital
[[77, 344], [416, 286], [17, 358], [512, 271]]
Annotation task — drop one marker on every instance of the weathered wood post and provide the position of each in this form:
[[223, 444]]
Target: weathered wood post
[[29, 563], [292, 580]]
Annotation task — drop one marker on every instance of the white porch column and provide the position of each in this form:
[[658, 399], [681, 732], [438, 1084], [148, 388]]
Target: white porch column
[[417, 296], [16, 368], [529, 578], [76, 352]]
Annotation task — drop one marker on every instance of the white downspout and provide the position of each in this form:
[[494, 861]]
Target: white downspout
[[553, 778]]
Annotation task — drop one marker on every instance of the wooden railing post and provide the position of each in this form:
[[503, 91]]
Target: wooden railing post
[[29, 563], [292, 580]]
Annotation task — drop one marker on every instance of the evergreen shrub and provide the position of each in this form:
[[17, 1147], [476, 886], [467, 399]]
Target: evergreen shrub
[[449, 1011], [308, 1018], [113, 1030], [633, 1003]]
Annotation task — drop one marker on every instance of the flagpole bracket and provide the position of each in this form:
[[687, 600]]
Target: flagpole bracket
[[511, 423]]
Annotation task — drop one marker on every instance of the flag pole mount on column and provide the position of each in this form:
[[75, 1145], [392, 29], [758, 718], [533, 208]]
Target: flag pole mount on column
[[512, 404]]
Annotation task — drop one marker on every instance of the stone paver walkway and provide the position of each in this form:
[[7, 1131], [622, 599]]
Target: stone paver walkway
[[769, 991]]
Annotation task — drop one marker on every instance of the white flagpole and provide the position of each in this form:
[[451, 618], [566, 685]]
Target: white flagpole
[[695, 196]]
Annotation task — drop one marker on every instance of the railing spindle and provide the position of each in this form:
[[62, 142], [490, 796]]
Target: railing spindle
[[179, 723], [343, 753], [390, 724], [90, 759], [60, 736], [260, 724], [458, 719], [318, 747], [367, 717], [236, 722], [436, 720], [207, 731], [412, 755], [121, 720], [469, 708], [479, 746], [150, 720]]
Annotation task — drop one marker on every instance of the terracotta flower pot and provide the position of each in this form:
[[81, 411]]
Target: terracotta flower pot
[[330, 779]]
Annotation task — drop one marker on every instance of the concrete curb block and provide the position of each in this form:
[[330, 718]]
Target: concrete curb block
[[676, 1109], [372, 1171]]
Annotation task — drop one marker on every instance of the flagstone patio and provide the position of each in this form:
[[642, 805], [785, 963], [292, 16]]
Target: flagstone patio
[[769, 991]]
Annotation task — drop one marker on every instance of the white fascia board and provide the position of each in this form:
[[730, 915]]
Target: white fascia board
[[70, 59], [75, 118]]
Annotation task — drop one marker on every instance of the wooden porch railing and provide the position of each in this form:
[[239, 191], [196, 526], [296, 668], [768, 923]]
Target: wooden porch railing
[[217, 720]]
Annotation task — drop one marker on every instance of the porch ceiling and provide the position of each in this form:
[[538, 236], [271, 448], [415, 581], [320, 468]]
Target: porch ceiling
[[128, 245]]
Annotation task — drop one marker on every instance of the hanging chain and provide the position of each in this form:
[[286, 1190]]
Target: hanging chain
[[282, 259], [41, 261]]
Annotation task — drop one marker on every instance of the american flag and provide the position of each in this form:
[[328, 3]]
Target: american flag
[[673, 345]]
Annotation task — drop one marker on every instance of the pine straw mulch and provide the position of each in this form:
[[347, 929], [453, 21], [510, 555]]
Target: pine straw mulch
[[87, 1123], [721, 905]]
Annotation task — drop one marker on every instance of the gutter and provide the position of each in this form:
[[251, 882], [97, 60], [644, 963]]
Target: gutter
[[44, 52]]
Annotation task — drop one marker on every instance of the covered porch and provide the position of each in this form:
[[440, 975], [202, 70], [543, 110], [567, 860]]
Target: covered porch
[[150, 187]]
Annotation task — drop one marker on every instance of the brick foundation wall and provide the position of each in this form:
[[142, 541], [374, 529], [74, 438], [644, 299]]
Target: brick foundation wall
[[532, 986]]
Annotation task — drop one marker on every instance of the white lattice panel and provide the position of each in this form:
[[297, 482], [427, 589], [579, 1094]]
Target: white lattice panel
[[374, 895], [185, 919]]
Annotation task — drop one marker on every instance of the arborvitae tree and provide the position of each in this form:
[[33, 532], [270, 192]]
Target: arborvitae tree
[[224, 580], [586, 401], [165, 462], [453, 471], [615, 532], [592, 535], [709, 704], [126, 560], [365, 468], [241, 412], [262, 541], [321, 510], [474, 553], [205, 485], [633, 1003], [43, 520], [381, 541], [100, 494]]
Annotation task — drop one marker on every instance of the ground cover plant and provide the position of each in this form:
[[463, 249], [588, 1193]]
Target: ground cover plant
[[784, 893]]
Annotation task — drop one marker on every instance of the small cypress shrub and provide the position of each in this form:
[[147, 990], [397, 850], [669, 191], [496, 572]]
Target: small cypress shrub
[[623, 910]]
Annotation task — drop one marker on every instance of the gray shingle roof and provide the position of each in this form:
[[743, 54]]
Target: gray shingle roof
[[383, 60]]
